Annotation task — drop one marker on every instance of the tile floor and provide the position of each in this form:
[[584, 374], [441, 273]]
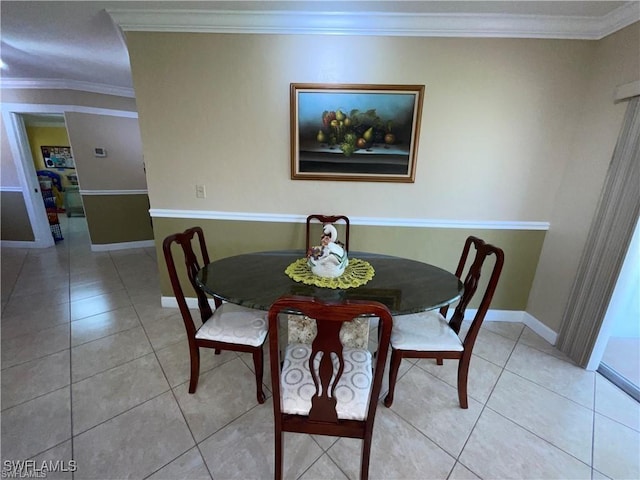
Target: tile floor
[[94, 370]]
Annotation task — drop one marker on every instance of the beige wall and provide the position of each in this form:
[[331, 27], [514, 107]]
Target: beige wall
[[497, 121], [616, 61], [512, 130], [122, 168], [14, 220]]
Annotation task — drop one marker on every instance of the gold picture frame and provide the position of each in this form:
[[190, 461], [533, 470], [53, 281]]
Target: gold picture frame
[[354, 132]]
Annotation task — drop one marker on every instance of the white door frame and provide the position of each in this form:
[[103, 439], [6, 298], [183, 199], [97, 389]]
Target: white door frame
[[25, 167]]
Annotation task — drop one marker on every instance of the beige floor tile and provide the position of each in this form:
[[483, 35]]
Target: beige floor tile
[[28, 347], [60, 458], [188, 466], [32, 379], [398, 451], [99, 304], [108, 352], [223, 394], [493, 347], [81, 291], [532, 339], [616, 449], [432, 406], [616, 404], [553, 373], [324, 469], [107, 394], [134, 444], [460, 472], [510, 330], [483, 375], [149, 307], [163, 331], [245, 448], [552, 417], [102, 325], [31, 318], [176, 362], [33, 427], [500, 449]]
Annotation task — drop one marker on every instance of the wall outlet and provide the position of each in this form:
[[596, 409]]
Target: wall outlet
[[200, 191]]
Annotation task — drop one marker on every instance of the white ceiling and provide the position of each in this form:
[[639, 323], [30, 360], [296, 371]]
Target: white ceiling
[[79, 44]]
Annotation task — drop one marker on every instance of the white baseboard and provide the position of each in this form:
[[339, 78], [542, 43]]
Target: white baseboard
[[23, 244], [540, 328], [192, 302], [122, 246]]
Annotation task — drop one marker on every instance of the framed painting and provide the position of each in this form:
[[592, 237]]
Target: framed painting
[[355, 132]]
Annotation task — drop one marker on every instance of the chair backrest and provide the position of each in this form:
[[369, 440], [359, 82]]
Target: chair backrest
[[327, 219], [192, 264], [471, 281], [329, 318]]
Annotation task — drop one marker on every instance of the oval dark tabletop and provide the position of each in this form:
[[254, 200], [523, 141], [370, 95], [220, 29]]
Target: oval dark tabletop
[[256, 280]]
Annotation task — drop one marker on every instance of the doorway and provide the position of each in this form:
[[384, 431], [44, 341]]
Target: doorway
[[620, 359], [54, 166]]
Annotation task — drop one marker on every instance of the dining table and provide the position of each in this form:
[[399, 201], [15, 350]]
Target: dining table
[[257, 280]]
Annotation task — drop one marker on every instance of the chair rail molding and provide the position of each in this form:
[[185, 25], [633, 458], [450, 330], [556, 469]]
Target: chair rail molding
[[368, 221]]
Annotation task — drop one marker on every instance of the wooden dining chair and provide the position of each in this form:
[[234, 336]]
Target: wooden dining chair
[[430, 335], [326, 388], [327, 219], [228, 327]]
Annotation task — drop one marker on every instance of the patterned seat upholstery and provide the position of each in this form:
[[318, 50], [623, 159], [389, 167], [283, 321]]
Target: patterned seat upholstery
[[352, 391], [235, 324], [424, 331]]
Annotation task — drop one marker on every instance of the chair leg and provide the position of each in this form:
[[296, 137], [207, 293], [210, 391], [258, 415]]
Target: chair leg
[[396, 358], [259, 369], [278, 457], [463, 374], [194, 351], [366, 455]]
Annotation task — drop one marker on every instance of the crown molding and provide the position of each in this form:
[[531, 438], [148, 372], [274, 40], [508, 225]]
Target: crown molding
[[60, 84], [390, 24]]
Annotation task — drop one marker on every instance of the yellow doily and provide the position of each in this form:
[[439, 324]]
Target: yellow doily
[[357, 273]]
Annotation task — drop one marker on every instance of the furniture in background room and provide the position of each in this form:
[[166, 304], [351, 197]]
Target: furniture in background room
[[326, 219], [52, 212], [72, 199], [228, 327], [430, 335], [326, 388]]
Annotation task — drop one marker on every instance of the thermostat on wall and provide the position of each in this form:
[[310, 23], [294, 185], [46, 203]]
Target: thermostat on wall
[[99, 152]]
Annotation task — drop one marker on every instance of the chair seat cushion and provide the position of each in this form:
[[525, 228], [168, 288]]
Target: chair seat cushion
[[424, 332], [352, 391], [235, 324]]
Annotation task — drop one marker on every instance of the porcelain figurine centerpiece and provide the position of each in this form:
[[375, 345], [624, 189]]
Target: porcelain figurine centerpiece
[[330, 258]]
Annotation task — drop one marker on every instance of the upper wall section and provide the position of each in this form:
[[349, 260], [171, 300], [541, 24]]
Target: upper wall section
[[497, 123]]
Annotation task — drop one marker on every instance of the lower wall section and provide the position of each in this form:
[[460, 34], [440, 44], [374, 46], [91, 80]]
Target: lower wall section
[[437, 246], [114, 219], [14, 218]]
